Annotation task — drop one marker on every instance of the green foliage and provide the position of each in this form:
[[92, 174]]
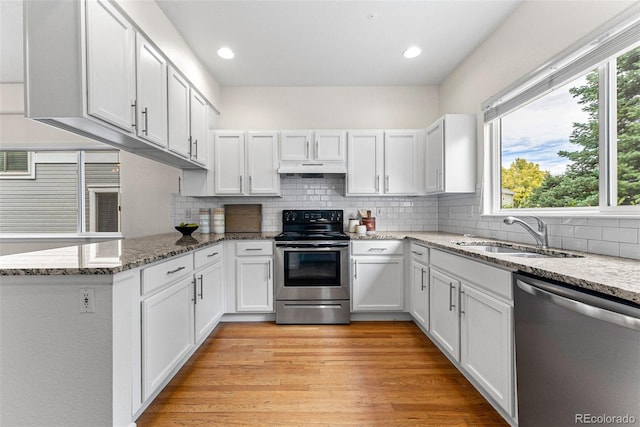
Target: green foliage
[[522, 177]]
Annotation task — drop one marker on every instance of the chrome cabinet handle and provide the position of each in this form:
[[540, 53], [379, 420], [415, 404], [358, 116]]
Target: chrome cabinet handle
[[195, 298], [190, 147], [250, 182], [307, 155], [316, 153], [269, 270], [417, 253], [253, 249], [176, 270], [355, 269], [461, 299], [201, 287], [451, 304], [213, 254], [377, 183], [241, 188], [422, 279], [145, 112], [134, 106], [377, 249], [196, 144], [313, 164], [388, 184]]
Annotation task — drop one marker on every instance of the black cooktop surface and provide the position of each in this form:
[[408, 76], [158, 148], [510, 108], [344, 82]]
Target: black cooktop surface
[[294, 236]]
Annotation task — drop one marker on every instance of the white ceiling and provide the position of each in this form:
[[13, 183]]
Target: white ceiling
[[334, 43]]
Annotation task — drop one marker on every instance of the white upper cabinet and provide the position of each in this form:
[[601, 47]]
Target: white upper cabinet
[[246, 163], [262, 163], [179, 116], [451, 155], [320, 151], [228, 155], [151, 105], [199, 145], [111, 68], [401, 161], [365, 162], [99, 76], [384, 162]]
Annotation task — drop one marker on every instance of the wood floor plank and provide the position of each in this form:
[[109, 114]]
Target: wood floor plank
[[363, 374]]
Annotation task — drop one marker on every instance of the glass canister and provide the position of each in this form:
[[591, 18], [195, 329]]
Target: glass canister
[[218, 220], [205, 221]]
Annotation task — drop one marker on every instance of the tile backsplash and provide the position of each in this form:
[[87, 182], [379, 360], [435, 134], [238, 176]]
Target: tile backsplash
[[457, 214], [618, 237], [392, 213]]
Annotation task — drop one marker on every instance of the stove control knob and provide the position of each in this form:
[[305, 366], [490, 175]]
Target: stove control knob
[[293, 216]]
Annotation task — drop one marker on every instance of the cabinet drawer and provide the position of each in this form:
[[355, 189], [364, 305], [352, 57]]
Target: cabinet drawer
[[166, 272], [492, 279], [207, 255], [254, 248], [420, 253], [377, 247]]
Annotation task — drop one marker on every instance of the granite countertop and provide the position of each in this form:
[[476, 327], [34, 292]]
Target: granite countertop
[[113, 256], [618, 277], [608, 275]]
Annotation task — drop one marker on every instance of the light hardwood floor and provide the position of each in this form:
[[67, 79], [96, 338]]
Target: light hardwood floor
[[363, 374]]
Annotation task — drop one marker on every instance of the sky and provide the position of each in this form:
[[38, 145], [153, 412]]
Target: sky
[[539, 130]]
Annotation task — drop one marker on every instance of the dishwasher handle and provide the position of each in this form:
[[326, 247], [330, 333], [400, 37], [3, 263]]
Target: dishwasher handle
[[585, 304]]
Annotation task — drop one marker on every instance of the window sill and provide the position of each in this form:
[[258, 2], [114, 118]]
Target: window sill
[[80, 238]]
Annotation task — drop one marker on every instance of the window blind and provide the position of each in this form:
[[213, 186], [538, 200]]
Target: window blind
[[554, 76]]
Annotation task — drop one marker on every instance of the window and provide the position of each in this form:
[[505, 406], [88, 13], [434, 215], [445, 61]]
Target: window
[[569, 141], [15, 164], [64, 185]]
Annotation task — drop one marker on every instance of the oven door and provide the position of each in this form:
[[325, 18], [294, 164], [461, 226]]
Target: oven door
[[312, 271]]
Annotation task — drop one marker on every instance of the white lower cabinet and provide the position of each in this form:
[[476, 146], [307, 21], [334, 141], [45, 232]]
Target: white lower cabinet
[[471, 318], [377, 275], [444, 317], [167, 333], [486, 344], [420, 284], [209, 291], [254, 276]]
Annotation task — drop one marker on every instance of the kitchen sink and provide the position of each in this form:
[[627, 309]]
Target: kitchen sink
[[516, 251]]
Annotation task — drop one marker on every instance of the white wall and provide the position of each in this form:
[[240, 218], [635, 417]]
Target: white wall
[[146, 190], [328, 107], [532, 35]]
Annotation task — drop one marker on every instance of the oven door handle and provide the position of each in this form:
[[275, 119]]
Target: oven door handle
[[312, 245]]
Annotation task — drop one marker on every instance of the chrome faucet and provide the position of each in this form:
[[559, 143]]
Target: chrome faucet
[[542, 240]]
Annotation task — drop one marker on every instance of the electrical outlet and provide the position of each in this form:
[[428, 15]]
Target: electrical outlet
[[380, 212], [87, 301], [187, 213]]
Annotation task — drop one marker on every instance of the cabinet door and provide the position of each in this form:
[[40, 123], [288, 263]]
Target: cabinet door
[[199, 111], [378, 283], [209, 302], [444, 322], [364, 162], [420, 293], [262, 163], [330, 145], [295, 145], [486, 350], [111, 71], [401, 154], [178, 106], [254, 284], [167, 332], [152, 93], [434, 181], [229, 162]]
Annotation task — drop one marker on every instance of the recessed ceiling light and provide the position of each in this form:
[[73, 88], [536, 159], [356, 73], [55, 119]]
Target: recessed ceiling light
[[412, 52], [226, 53]]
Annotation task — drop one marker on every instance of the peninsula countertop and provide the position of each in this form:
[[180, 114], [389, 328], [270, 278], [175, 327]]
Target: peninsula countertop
[[608, 275]]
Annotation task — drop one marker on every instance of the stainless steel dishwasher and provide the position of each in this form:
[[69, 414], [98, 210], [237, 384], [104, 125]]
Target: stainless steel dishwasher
[[577, 356]]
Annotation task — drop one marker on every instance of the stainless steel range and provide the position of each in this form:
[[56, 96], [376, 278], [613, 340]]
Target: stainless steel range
[[312, 268]]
